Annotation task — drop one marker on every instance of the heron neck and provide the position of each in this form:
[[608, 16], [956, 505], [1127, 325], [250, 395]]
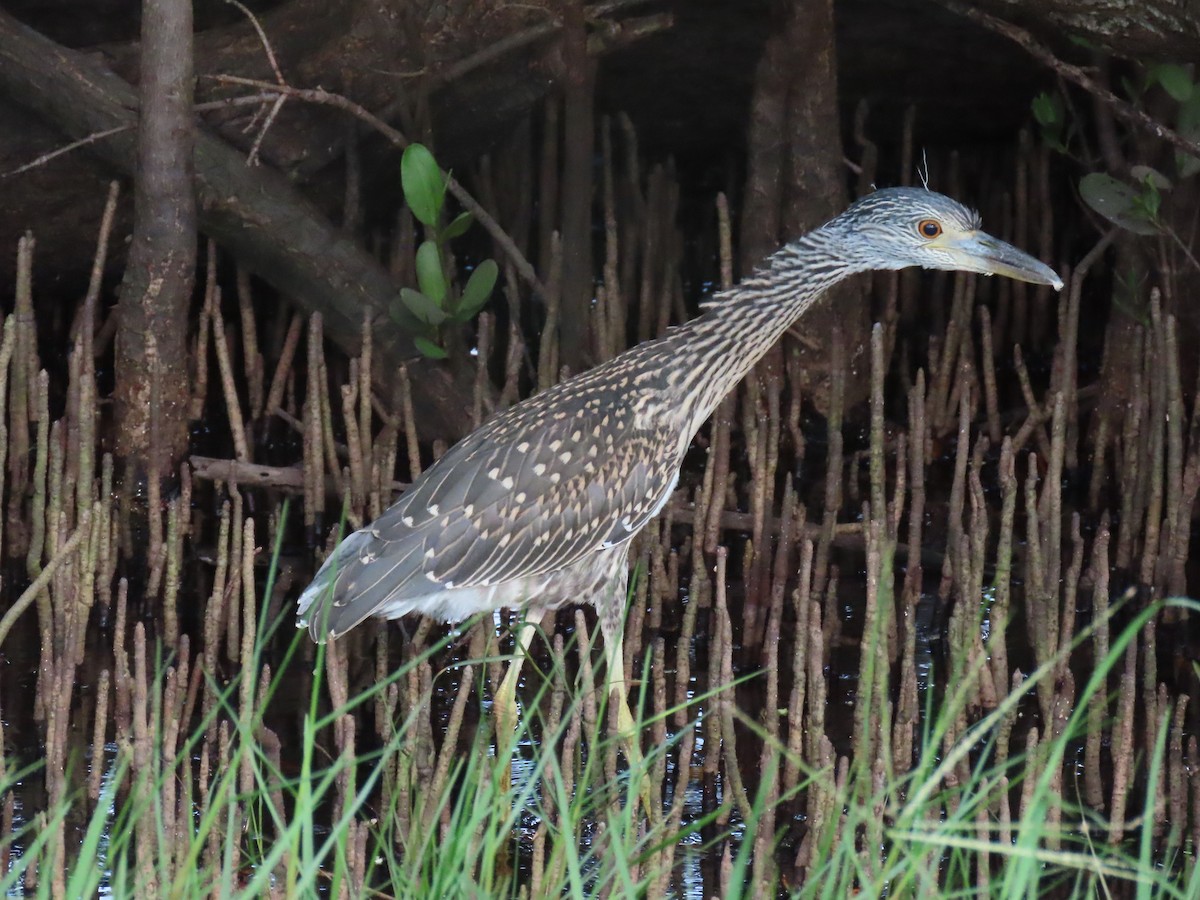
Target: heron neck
[[741, 324]]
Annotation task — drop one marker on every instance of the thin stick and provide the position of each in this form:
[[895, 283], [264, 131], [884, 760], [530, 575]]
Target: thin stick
[[233, 407], [31, 593], [74, 145], [284, 367]]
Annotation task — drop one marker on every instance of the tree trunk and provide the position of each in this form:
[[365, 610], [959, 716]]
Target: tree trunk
[[795, 180], [578, 161], [152, 391]]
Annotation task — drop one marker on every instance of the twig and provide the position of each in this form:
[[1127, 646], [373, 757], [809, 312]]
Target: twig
[[277, 104], [74, 145], [262, 37], [207, 106], [252, 156], [39, 584], [503, 47]]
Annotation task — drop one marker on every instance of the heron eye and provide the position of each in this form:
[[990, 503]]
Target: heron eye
[[930, 228]]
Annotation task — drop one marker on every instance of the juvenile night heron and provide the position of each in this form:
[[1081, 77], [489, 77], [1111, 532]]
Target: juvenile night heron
[[536, 509]]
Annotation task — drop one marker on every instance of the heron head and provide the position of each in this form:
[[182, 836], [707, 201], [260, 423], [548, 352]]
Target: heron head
[[895, 228]]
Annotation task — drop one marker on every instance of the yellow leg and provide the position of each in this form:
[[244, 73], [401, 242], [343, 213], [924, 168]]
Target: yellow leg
[[612, 628], [505, 701]]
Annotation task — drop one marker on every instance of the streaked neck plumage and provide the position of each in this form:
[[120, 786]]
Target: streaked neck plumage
[[741, 324]]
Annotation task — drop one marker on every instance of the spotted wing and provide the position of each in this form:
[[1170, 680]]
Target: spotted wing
[[529, 494]]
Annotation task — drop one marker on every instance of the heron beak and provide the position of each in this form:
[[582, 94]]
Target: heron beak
[[980, 252]]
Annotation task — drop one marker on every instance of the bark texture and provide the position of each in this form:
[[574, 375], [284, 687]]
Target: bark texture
[[796, 179], [578, 164], [1146, 30], [152, 389]]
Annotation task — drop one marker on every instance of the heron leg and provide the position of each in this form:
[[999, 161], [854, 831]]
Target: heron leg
[[612, 626], [505, 701]]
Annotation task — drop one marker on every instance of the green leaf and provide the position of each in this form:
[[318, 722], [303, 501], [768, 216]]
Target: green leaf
[[424, 309], [429, 348], [478, 289], [1188, 126], [1151, 175], [1045, 109], [1151, 201], [1189, 117], [1175, 80], [424, 186], [1117, 202], [430, 276], [457, 227]]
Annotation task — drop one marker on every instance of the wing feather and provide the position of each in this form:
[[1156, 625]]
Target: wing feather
[[527, 494]]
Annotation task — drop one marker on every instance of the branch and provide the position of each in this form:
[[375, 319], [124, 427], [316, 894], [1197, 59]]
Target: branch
[[1074, 73]]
